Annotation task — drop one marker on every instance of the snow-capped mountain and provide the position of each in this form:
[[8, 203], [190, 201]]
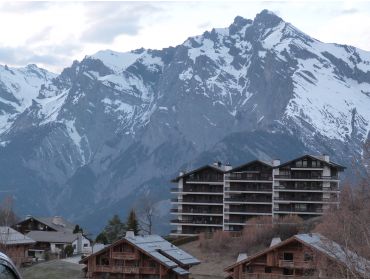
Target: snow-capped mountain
[[117, 126]]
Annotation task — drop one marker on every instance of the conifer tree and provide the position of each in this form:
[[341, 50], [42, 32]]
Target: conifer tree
[[132, 222]]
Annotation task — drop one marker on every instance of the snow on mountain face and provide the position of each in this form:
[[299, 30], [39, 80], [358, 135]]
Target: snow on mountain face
[[116, 123], [18, 86]]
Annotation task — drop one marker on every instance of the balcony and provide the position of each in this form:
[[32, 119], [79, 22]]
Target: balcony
[[210, 178], [124, 255], [317, 211], [306, 177], [198, 222], [197, 212], [306, 199], [295, 264], [103, 268], [249, 189], [197, 201], [247, 177], [196, 190], [249, 200], [284, 188], [270, 276]]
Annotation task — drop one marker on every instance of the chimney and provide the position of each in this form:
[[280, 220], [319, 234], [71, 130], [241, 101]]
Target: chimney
[[275, 241], [241, 256], [276, 162], [79, 243], [130, 234], [28, 216], [181, 173], [325, 157]]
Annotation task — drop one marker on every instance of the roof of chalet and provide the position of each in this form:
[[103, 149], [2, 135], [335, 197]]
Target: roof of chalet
[[10, 236], [321, 244], [52, 236], [330, 163], [212, 166], [159, 249], [57, 223], [268, 164]]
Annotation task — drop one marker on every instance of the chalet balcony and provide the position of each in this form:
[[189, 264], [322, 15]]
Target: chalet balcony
[[306, 177], [247, 177], [125, 255], [295, 264], [103, 268]]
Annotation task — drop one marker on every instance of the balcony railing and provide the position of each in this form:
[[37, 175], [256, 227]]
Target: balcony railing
[[295, 264], [248, 189], [318, 199], [247, 177], [315, 210], [308, 177], [270, 276], [196, 211], [244, 199], [205, 201], [306, 188], [205, 179], [249, 210], [124, 255], [198, 190], [197, 222]]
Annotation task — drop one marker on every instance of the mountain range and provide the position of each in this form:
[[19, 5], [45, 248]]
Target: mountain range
[[115, 127]]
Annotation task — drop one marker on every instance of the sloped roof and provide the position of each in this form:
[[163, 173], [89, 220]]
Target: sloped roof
[[323, 245], [211, 166], [330, 163], [10, 236], [268, 164], [57, 223], [159, 249], [52, 236]]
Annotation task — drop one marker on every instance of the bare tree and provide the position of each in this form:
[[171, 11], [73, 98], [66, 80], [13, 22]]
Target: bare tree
[[147, 211], [7, 215]]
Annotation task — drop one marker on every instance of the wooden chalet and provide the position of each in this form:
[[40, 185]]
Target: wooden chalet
[[15, 245], [301, 256], [139, 257]]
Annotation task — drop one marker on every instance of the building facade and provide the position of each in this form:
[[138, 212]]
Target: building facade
[[301, 256], [219, 197], [139, 257]]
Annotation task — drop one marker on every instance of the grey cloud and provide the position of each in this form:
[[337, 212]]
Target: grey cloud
[[109, 20]]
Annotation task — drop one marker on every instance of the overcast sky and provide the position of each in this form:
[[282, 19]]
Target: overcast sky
[[53, 34]]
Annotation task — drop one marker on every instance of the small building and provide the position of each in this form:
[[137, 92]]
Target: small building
[[15, 245], [52, 235], [301, 256], [140, 257]]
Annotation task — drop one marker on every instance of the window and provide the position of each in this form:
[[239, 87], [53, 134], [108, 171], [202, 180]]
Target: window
[[288, 256], [268, 269], [304, 163], [298, 163], [86, 245], [307, 257]]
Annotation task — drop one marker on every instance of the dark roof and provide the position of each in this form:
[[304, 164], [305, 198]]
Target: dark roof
[[220, 169], [56, 223], [250, 163], [159, 249], [330, 163], [320, 243]]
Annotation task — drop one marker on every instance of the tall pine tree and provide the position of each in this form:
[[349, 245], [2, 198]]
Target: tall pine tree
[[132, 222]]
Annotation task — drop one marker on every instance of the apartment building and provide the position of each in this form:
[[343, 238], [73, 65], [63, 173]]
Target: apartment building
[[217, 196]]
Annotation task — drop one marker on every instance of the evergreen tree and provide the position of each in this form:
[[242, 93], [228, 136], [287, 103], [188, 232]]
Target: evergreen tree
[[78, 229], [132, 222], [115, 229], [101, 238]]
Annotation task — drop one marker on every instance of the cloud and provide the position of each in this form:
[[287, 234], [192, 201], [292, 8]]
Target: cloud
[[109, 20]]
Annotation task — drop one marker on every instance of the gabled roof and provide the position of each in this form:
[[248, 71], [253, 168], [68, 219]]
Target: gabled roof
[[52, 236], [159, 249], [319, 243], [9, 236], [330, 163], [220, 169], [56, 223], [265, 163]]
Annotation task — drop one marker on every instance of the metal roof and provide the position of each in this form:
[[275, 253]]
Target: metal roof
[[334, 250], [162, 250], [10, 236], [52, 236]]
